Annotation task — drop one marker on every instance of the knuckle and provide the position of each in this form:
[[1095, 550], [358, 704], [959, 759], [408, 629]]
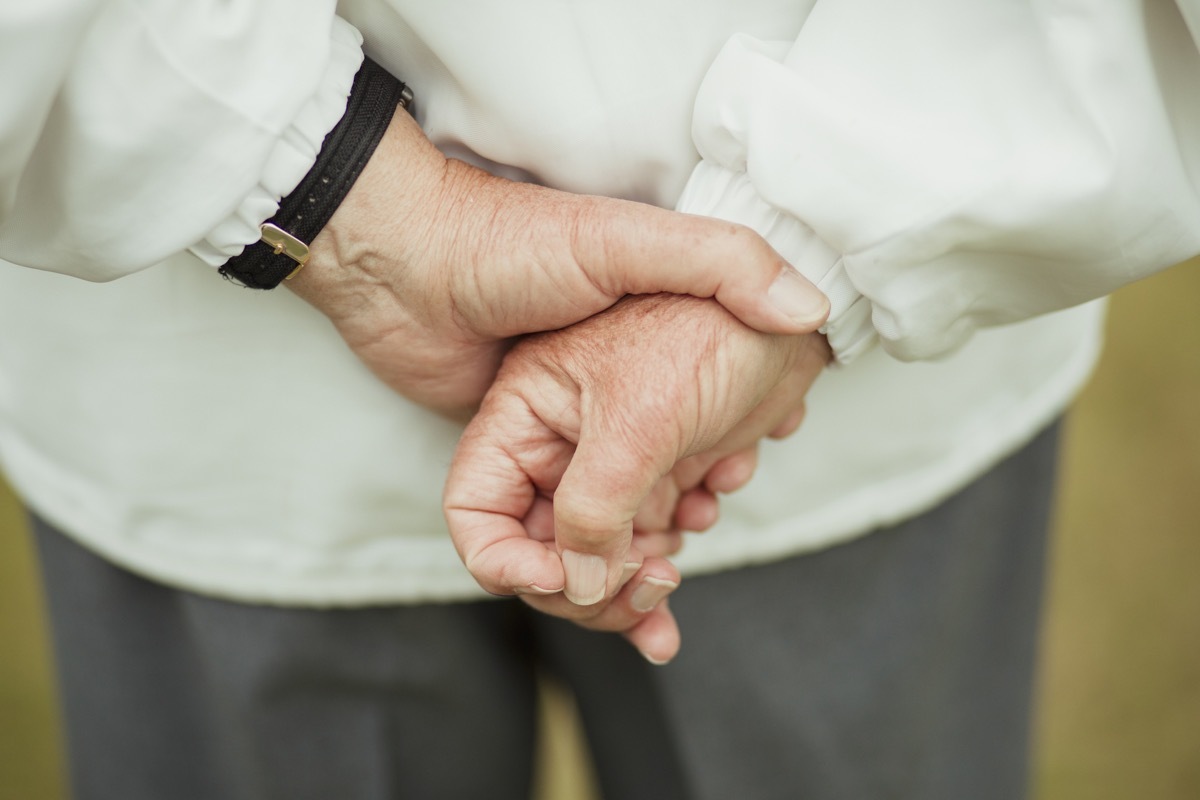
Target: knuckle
[[746, 242], [481, 570], [590, 523], [589, 537], [596, 239], [584, 226], [602, 617], [558, 606]]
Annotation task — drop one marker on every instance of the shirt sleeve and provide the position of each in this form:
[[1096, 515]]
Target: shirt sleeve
[[938, 166], [139, 129]]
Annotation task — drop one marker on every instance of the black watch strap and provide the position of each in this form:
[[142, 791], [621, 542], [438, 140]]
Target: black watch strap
[[283, 249]]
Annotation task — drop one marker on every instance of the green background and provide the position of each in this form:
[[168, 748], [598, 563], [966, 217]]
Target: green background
[[1119, 706]]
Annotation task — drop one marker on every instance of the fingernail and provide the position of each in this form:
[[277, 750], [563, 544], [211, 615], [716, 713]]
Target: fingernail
[[587, 576], [533, 588], [650, 593], [655, 661], [630, 569], [797, 298]]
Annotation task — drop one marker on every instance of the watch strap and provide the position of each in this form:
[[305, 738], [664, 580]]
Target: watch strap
[[282, 250]]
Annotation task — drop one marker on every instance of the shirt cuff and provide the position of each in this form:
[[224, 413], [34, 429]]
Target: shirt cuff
[[293, 155], [716, 191]]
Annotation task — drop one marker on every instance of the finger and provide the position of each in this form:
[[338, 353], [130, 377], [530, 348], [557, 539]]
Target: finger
[[488, 495], [733, 471], [630, 248], [691, 471], [658, 543], [657, 636], [633, 563], [654, 579], [539, 521], [501, 557], [601, 491], [658, 507], [789, 425], [698, 510], [639, 611]]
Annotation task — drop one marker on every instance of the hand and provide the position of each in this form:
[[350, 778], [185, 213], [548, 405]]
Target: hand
[[686, 498], [429, 266], [591, 418]]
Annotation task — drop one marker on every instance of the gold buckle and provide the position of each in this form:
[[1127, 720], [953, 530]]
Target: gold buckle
[[283, 243]]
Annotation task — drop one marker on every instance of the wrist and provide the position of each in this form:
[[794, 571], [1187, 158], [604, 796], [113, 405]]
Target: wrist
[[378, 230], [283, 248]]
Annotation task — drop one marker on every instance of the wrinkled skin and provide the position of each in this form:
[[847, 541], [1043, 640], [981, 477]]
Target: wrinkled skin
[[430, 267], [636, 415]]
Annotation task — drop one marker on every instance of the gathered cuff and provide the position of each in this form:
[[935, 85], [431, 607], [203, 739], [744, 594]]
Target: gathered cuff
[[293, 155], [715, 191]]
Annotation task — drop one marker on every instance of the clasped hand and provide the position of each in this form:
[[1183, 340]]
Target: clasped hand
[[431, 269], [659, 395]]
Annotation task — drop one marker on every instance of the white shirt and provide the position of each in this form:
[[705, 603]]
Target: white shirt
[[937, 167]]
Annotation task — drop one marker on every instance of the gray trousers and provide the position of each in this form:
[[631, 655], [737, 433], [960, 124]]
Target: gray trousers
[[896, 666]]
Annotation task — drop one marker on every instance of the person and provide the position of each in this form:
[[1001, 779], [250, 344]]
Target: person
[[936, 169]]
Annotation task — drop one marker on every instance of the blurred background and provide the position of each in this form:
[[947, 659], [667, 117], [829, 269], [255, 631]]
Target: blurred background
[[1119, 704]]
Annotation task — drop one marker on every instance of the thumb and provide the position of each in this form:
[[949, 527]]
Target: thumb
[[594, 505], [639, 249]]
